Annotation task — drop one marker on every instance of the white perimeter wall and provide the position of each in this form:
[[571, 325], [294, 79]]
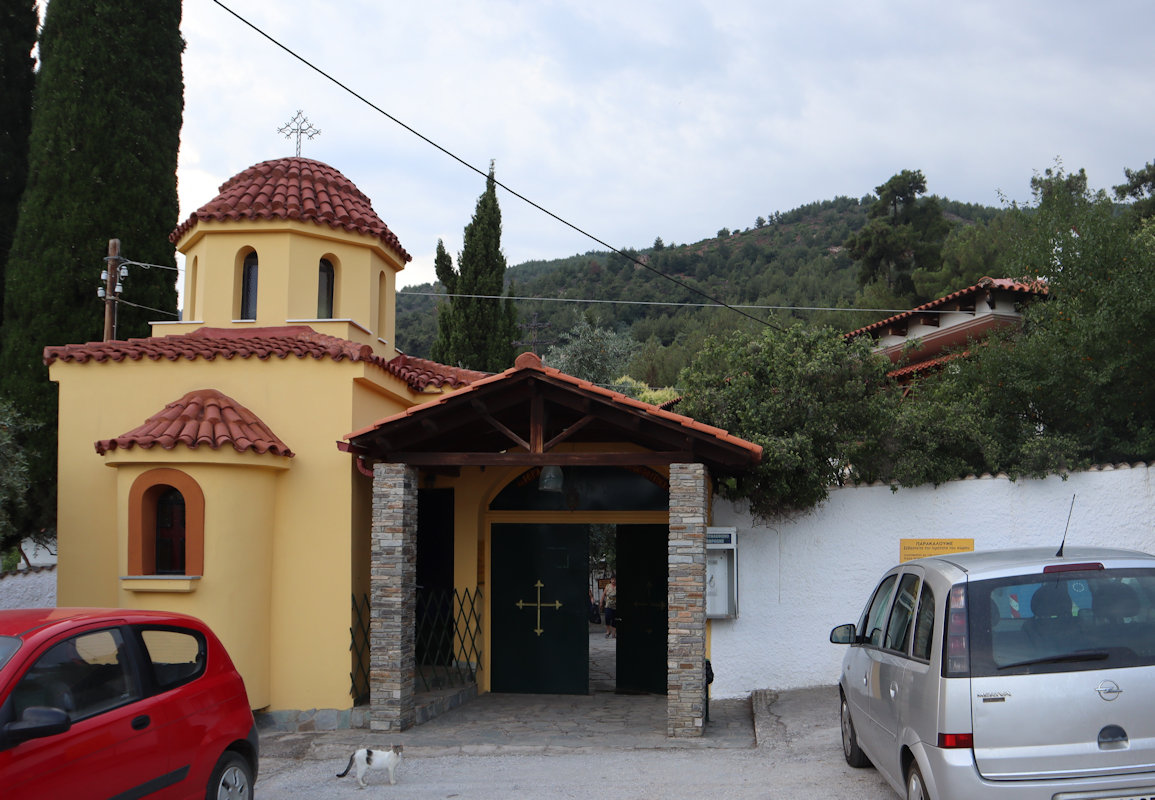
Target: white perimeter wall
[[800, 578], [28, 588]]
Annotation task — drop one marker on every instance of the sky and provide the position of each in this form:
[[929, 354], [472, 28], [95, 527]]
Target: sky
[[637, 119]]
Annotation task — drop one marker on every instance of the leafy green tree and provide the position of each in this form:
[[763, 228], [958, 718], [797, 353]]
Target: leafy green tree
[[903, 234], [970, 252], [598, 355], [102, 164], [18, 21], [475, 329], [816, 404], [1140, 187], [14, 483], [1074, 387]]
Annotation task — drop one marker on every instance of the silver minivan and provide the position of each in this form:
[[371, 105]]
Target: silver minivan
[[1006, 674]]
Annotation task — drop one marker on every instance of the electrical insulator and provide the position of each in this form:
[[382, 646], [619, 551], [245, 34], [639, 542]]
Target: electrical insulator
[[100, 292], [123, 271], [104, 276], [118, 288]]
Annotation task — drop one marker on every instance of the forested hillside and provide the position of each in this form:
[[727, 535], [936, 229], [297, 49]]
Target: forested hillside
[[789, 264]]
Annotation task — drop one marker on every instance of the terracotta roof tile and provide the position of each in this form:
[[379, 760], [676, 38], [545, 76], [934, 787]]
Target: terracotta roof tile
[[298, 189], [204, 417], [530, 361], [300, 341], [925, 366], [1006, 284]]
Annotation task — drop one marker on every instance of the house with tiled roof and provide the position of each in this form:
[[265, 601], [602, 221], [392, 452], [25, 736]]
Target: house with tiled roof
[[364, 529], [933, 333]]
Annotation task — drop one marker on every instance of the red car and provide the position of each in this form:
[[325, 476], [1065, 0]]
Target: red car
[[118, 703]]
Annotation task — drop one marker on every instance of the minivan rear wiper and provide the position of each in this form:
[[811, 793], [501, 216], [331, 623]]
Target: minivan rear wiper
[[1078, 655]]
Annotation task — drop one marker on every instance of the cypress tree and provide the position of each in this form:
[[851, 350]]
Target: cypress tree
[[18, 21], [105, 131], [473, 332]]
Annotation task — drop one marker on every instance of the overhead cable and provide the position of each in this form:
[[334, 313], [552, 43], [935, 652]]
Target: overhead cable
[[467, 165]]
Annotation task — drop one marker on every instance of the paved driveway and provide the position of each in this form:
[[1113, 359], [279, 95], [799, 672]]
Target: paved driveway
[[798, 755]]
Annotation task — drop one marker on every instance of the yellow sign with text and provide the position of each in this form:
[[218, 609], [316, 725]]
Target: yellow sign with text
[[910, 549]]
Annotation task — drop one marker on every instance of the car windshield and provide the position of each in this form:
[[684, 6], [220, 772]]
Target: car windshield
[[1062, 621], [8, 646]]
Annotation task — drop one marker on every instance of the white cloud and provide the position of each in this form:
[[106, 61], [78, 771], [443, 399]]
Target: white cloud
[[672, 119]]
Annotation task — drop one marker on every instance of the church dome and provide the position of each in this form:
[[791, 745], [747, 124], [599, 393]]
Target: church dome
[[298, 189]]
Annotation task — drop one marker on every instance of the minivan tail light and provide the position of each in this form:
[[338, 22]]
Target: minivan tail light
[[956, 741], [957, 654]]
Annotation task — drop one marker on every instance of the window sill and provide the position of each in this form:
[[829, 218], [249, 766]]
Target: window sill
[[159, 583]]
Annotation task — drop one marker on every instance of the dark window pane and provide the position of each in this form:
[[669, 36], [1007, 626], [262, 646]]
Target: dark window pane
[[170, 533], [325, 290]]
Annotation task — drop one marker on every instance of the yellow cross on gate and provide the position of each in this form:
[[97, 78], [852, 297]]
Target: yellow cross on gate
[[556, 604]]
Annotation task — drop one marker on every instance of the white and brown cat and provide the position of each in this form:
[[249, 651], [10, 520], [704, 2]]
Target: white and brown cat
[[368, 758]]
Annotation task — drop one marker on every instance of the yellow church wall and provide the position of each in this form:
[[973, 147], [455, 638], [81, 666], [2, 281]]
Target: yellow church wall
[[233, 594], [317, 542]]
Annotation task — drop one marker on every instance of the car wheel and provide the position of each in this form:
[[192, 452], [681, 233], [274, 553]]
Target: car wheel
[[915, 788], [854, 756], [232, 779]]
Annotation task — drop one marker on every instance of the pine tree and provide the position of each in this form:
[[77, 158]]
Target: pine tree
[[18, 21], [102, 165], [475, 332]]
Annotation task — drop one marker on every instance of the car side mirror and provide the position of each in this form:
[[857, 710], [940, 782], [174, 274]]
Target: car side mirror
[[844, 634], [36, 723]]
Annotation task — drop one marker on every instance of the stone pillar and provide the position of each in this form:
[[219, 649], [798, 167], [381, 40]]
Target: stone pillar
[[686, 639], [393, 599]]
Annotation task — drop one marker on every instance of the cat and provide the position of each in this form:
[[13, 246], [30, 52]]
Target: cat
[[367, 759]]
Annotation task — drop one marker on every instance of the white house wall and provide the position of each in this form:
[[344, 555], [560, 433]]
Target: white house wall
[[798, 579]]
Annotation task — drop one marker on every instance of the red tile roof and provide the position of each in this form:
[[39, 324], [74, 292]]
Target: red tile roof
[[530, 361], [202, 417], [297, 189], [421, 373], [920, 367], [300, 341], [1006, 284]]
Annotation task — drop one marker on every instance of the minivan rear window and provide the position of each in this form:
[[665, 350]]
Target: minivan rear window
[[1062, 622]]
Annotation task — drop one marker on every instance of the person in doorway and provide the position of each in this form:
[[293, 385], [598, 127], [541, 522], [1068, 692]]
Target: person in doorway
[[610, 607]]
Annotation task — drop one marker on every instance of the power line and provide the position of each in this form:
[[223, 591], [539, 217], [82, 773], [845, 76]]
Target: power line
[[148, 308], [467, 165], [677, 305]]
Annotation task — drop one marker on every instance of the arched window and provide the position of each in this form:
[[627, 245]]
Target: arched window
[[325, 284], [170, 533], [382, 305], [190, 294], [249, 287], [166, 524]]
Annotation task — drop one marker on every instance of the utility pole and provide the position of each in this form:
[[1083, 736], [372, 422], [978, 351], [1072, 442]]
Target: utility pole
[[533, 327], [111, 287]]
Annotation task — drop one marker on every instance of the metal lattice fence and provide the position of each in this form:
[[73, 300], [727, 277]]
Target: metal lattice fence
[[359, 646], [448, 638], [448, 641]]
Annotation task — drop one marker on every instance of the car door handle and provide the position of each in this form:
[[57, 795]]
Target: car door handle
[[141, 722], [893, 689]]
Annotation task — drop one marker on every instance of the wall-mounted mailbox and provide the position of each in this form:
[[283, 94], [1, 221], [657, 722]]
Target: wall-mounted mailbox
[[721, 573]]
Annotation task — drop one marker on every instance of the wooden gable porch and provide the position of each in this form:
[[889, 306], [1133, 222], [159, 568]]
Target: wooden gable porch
[[535, 416]]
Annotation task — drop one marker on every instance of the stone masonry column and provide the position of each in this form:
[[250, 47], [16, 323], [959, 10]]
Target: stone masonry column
[[686, 589], [393, 599]]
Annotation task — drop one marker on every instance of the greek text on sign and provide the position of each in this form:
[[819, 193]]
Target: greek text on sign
[[910, 549]]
